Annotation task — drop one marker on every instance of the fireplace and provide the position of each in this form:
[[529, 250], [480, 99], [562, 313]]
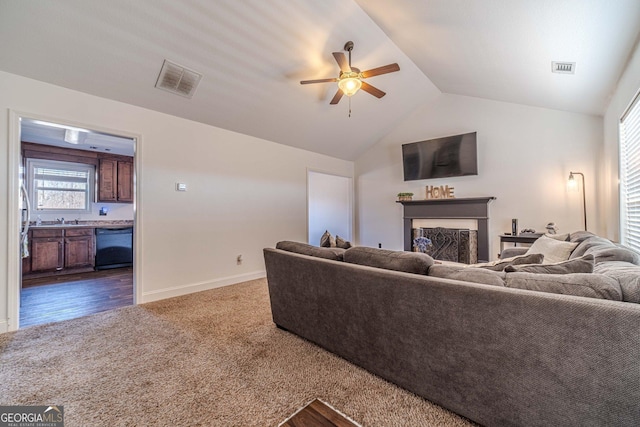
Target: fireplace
[[476, 209], [448, 244]]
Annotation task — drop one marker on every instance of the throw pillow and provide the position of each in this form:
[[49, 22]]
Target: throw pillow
[[583, 264], [501, 264], [335, 254], [553, 250], [409, 262], [341, 243], [327, 240]]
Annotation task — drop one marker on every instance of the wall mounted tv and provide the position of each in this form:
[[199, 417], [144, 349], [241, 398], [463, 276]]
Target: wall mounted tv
[[440, 158]]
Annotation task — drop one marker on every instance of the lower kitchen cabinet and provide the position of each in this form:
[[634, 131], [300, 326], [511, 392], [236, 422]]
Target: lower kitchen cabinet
[[79, 248], [46, 250], [59, 251]]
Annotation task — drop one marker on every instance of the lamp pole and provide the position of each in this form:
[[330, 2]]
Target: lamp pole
[[584, 197]]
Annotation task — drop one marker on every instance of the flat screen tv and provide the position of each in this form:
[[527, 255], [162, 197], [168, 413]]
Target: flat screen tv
[[440, 158]]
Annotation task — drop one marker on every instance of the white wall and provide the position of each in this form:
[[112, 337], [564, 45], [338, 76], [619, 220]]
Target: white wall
[[524, 155], [628, 86], [244, 193]]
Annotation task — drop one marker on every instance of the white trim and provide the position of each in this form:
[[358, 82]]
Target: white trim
[[13, 219], [177, 291], [13, 223], [3, 327]]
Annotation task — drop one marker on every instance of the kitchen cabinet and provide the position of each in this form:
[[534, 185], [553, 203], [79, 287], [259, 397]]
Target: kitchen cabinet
[[55, 251], [46, 250], [79, 248], [115, 180]]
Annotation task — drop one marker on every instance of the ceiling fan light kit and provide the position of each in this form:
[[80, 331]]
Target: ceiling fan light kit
[[350, 79], [350, 83]]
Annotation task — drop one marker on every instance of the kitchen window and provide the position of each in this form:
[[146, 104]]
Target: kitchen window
[[60, 187]]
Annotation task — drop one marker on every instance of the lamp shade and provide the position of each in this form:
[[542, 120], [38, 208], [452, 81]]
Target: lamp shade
[[572, 184], [349, 83]]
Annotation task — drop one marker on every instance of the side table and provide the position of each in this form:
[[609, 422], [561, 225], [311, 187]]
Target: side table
[[520, 238]]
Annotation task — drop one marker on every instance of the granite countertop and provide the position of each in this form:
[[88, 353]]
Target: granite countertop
[[83, 224]]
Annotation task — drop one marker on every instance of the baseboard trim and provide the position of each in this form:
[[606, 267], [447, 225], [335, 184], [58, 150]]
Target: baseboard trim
[[4, 326], [177, 291]]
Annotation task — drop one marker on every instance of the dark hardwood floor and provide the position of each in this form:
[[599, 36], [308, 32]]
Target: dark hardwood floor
[[53, 299]]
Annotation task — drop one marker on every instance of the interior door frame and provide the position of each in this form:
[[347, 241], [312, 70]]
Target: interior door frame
[[14, 261], [351, 199]]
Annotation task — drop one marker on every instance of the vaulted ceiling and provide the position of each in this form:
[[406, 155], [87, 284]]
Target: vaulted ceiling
[[253, 53]]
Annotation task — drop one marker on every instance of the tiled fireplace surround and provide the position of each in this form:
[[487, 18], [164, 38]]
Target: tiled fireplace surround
[[446, 240]]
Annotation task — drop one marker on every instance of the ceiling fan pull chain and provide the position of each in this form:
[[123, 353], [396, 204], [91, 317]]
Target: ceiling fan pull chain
[[349, 104]]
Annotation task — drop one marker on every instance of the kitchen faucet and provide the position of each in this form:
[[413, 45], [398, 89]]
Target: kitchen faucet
[[60, 220]]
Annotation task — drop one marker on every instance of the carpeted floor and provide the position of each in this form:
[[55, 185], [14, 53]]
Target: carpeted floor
[[213, 358]]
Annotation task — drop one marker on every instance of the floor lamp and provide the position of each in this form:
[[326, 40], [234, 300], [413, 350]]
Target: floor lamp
[[573, 185]]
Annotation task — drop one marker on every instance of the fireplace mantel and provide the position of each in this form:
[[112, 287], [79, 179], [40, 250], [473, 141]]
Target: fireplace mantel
[[476, 208]]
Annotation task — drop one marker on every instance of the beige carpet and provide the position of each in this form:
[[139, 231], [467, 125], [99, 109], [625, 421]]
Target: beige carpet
[[213, 358]]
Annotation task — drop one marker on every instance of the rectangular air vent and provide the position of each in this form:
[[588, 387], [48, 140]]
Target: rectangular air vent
[[563, 67], [177, 79]]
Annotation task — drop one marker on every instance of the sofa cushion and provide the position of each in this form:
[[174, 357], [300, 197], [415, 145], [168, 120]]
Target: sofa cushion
[[335, 254], [583, 264], [613, 253], [580, 236], [467, 274], [627, 275], [553, 250], [589, 243], [409, 262], [501, 264], [580, 284]]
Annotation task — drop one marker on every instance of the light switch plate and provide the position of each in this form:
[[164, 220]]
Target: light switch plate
[[181, 187]]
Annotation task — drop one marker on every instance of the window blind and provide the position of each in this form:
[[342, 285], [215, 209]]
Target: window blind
[[630, 175]]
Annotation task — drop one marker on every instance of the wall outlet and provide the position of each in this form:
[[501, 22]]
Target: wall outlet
[[239, 259]]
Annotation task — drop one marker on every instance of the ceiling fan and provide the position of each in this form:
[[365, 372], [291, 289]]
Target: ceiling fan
[[350, 79]]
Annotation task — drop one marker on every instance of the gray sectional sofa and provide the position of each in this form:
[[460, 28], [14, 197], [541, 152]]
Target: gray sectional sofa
[[494, 353]]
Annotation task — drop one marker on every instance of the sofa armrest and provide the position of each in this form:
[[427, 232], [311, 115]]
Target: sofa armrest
[[511, 252]]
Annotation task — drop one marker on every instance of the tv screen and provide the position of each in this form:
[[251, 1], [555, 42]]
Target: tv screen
[[441, 157]]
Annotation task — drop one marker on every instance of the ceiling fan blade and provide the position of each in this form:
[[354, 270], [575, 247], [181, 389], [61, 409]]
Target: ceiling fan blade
[[337, 97], [372, 90], [342, 62], [381, 70], [306, 82]]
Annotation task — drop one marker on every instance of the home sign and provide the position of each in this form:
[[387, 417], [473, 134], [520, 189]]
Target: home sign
[[440, 192]]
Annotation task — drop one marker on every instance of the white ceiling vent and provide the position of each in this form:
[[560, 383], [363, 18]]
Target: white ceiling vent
[[563, 67], [177, 79]]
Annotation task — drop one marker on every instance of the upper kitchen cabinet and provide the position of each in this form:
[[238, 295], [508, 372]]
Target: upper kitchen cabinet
[[115, 180]]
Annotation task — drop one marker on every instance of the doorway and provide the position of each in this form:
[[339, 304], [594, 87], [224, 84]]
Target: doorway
[[330, 206], [52, 274]]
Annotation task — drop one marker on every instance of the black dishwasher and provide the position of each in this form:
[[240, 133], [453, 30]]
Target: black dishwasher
[[114, 247]]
